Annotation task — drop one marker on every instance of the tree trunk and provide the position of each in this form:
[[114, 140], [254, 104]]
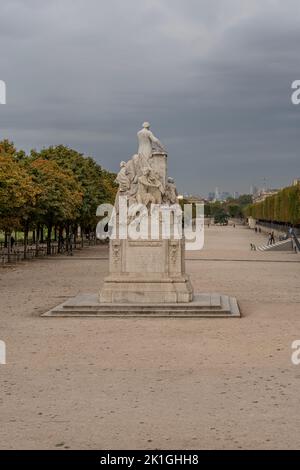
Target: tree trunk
[[67, 237], [8, 245], [37, 240], [75, 230], [26, 229], [60, 238], [81, 235], [49, 228]]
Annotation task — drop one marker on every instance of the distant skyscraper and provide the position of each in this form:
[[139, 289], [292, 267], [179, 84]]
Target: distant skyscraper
[[217, 195]]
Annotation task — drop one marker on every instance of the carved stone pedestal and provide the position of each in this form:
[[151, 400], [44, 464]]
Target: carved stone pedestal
[[147, 279], [147, 271]]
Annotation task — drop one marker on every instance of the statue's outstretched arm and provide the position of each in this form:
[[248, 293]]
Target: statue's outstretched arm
[[153, 138], [156, 141]]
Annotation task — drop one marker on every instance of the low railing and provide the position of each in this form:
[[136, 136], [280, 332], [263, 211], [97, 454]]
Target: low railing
[[280, 227], [296, 242]]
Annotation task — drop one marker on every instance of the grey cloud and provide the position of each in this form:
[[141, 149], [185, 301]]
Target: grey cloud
[[213, 77]]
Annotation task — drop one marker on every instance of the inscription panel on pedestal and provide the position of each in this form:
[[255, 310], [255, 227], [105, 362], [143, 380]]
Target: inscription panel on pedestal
[[145, 257]]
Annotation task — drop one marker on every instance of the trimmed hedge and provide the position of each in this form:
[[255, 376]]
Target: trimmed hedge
[[283, 207]]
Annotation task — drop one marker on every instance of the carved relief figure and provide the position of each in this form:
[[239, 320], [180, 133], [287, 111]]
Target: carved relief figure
[[122, 178], [150, 188]]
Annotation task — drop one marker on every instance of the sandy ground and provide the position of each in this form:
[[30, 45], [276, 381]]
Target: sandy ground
[[153, 383]]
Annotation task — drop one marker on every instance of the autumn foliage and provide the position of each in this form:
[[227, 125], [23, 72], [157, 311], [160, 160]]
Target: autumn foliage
[[56, 187]]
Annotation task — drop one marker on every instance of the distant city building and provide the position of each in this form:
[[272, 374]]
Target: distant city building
[[296, 182], [225, 195], [192, 198], [253, 190], [261, 195], [218, 196], [195, 200]]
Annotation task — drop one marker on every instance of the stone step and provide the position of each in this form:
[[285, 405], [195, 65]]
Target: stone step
[[145, 308], [155, 314], [204, 305], [275, 245]]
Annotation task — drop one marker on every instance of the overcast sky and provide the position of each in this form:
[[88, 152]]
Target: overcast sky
[[213, 77]]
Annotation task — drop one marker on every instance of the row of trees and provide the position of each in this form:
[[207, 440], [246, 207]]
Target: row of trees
[[57, 188], [283, 207], [231, 208]]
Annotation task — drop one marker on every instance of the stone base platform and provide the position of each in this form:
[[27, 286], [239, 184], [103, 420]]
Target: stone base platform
[[202, 306]]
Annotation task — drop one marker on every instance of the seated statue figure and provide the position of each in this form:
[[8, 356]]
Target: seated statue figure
[[150, 189], [122, 178]]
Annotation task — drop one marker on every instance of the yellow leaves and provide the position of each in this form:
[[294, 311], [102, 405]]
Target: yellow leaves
[[56, 184], [16, 185], [60, 192]]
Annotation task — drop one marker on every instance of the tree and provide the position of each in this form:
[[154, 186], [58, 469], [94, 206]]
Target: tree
[[234, 211], [18, 192], [60, 194], [283, 207], [97, 185], [245, 199], [221, 217], [56, 187]]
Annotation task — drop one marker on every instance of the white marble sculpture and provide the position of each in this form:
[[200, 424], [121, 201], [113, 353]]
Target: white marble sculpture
[[143, 178], [151, 269], [170, 193], [148, 143]]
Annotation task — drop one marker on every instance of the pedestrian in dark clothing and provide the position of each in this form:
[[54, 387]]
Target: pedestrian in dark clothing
[[272, 238], [269, 239]]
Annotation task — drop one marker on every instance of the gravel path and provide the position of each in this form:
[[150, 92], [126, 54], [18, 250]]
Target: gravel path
[[153, 383]]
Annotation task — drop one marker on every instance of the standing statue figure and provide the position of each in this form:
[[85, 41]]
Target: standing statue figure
[[171, 194], [147, 143]]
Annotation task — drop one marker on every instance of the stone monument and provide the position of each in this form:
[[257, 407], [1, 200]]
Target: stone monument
[[147, 274]]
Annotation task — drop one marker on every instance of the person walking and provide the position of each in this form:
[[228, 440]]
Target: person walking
[[272, 238], [269, 239]]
